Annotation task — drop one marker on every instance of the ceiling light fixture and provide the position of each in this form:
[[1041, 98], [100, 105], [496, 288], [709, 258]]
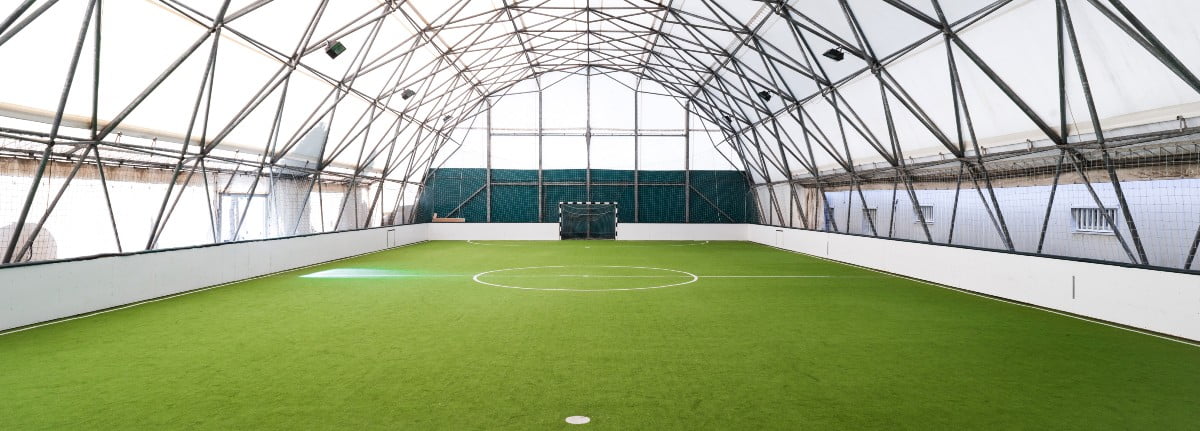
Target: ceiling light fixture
[[334, 48], [407, 94], [835, 54], [765, 96]]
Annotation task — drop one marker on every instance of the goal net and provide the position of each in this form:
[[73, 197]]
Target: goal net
[[587, 220]]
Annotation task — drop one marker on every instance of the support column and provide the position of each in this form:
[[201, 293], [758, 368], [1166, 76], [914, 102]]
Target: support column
[[637, 135], [488, 183], [687, 166], [541, 180], [45, 158], [587, 135], [1062, 123]]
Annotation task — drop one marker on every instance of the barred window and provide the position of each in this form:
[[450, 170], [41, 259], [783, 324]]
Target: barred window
[[1092, 219], [926, 213]]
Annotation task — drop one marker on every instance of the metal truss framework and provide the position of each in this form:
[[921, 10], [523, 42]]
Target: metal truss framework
[[709, 54], [587, 74]]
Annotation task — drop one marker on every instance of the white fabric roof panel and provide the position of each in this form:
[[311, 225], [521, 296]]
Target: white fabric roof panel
[[266, 82]]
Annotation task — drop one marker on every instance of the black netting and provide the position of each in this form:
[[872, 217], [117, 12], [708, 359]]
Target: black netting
[[587, 220]]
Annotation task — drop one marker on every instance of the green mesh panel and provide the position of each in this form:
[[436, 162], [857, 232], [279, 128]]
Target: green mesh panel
[[611, 176], [556, 194], [715, 196], [514, 176], [660, 204], [514, 204]]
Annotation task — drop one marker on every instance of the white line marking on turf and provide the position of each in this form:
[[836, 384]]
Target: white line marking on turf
[[606, 276], [694, 277], [371, 273], [660, 245], [1085, 319], [472, 242], [353, 273], [346, 273], [769, 276], [578, 420], [176, 295], [681, 275], [619, 245]]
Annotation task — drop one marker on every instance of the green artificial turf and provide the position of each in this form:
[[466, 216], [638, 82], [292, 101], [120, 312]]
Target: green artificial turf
[[405, 339]]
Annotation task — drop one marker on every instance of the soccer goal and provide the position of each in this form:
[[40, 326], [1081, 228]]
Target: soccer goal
[[587, 220]]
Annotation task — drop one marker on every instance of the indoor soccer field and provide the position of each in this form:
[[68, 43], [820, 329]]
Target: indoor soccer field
[[599, 215], [634, 335]]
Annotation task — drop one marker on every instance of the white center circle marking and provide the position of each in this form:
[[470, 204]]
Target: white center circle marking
[[578, 420], [693, 279]]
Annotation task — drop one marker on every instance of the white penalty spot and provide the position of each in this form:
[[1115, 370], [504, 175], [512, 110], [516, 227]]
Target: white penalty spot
[[578, 420]]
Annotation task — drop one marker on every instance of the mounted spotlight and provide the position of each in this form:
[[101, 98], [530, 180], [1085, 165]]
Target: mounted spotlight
[[765, 96], [835, 54], [407, 94], [334, 48], [446, 118], [727, 118]]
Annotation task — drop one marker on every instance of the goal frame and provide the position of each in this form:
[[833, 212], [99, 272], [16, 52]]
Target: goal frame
[[616, 218]]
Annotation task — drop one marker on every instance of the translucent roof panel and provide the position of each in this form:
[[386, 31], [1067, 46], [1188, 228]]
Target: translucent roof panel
[[838, 83]]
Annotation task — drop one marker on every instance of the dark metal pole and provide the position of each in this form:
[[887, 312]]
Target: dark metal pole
[[1062, 118], [488, 178], [637, 156], [541, 188], [5, 37], [587, 135], [687, 167], [1112, 173], [1144, 37], [954, 209], [58, 116], [1191, 257]]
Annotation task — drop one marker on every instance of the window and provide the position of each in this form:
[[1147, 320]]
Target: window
[[926, 213], [869, 218], [1092, 219]]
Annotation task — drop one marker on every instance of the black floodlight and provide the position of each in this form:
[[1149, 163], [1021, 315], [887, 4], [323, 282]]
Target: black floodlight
[[334, 48], [407, 94], [727, 118], [446, 118], [765, 96], [834, 54]]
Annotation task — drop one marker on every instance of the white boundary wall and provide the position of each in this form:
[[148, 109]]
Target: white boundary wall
[[549, 231], [38, 293], [493, 231], [1160, 301], [681, 232]]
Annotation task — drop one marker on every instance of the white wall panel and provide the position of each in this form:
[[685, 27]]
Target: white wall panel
[[493, 231], [1161, 301], [38, 293], [681, 232]]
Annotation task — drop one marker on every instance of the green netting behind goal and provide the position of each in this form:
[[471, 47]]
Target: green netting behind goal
[[519, 196]]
